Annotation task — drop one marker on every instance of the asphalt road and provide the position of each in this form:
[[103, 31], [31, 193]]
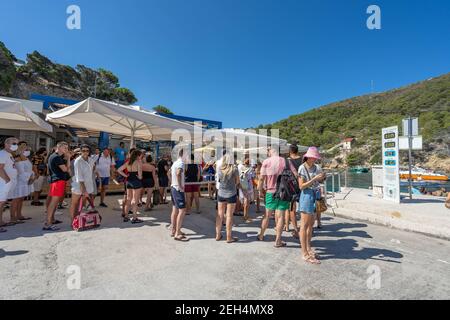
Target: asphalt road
[[124, 261]]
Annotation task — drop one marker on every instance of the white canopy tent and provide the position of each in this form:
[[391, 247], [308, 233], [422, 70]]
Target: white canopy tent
[[14, 115], [242, 139], [94, 114]]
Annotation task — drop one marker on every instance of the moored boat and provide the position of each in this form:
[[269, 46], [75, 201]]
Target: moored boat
[[421, 174]]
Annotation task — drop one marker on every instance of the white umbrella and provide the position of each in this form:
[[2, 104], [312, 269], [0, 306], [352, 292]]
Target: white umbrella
[[14, 115], [245, 139], [94, 114]]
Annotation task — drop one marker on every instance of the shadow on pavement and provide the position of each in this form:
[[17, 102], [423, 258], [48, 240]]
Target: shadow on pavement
[[4, 253], [346, 249]]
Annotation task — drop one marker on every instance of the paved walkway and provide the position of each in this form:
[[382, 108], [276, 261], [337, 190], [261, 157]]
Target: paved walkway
[[423, 214], [124, 261]]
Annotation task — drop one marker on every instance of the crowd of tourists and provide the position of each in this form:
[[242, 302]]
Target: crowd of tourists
[[234, 185]]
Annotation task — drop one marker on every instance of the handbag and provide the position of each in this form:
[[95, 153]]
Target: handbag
[[321, 204]]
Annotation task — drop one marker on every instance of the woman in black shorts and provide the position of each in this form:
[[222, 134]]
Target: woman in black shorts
[[134, 184], [149, 179], [228, 176]]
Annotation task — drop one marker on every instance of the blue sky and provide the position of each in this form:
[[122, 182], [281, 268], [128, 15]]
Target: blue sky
[[244, 62]]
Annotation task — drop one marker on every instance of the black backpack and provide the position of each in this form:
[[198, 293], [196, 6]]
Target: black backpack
[[287, 185]]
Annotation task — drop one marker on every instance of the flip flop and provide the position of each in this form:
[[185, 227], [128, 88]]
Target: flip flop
[[233, 240], [311, 260], [259, 239], [280, 245], [8, 224], [219, 238], [181, 238], [182, 233]]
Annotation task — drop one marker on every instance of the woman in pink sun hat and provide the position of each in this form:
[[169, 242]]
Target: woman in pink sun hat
[[310, 175]]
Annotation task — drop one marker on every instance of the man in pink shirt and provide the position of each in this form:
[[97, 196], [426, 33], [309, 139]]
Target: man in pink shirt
[[271, 168]]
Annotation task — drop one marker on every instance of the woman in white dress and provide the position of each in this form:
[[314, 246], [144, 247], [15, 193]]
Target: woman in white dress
[[24, 186]]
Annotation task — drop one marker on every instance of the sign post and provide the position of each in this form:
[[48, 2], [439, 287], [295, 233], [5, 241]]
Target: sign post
[[411, 134], [391, 174]]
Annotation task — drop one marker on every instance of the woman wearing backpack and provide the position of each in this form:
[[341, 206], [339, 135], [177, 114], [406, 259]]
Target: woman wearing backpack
[[246, 175], [228, 176], [310, 177]]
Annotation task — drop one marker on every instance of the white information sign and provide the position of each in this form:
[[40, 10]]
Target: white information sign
[[391, 174], [417, 143]]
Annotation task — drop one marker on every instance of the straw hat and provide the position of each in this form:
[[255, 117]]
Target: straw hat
[[313, 152]]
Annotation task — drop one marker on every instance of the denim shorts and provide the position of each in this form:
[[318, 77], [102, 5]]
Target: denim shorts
[[307, 203], [178, 198], [230, 200]]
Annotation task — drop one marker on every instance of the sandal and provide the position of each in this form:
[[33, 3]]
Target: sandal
[[126, 219], [181, 233], [134, 221], [311, 260], [50, 228], [181, 238], [281, 245], [234, 239], [25, 218], [314, 254], [8, 224], [259, 238], [219, 238]]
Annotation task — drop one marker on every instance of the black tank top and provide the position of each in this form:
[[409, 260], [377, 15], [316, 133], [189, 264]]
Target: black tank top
[[296, 163], [192, 173], [147, 175]]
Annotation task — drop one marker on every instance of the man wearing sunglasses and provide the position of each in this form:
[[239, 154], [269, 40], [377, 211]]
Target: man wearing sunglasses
[[8, 175], [59, 169], [82, 181]]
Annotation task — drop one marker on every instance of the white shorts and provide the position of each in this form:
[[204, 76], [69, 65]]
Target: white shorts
[[38, 183], [5, 188], [249, 194]]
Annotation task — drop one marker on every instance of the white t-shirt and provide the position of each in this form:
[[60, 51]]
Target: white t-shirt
[[104, 166], [179, 164], [82, 173], [10, 168]]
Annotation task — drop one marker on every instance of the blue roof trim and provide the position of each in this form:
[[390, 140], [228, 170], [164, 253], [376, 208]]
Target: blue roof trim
[[216, 124], [48, 100]]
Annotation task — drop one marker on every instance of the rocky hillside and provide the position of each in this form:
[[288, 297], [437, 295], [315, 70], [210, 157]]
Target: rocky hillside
[[363, 117], [40, 75]]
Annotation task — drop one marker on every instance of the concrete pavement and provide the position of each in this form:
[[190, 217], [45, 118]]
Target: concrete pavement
[[124, 261], [422, 214]]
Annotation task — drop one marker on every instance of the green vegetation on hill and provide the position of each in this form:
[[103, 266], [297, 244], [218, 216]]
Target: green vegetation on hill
[[363, 117], [7, 69], [80, 82], [162, 109]]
